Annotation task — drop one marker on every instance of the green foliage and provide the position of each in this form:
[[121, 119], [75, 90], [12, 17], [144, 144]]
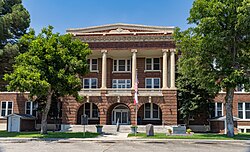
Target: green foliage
[[192, 98], [216, 52], [52, 60], [14, 21]]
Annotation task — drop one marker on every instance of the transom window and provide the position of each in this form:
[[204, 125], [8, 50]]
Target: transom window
[[31, 108], [121, 83], [244, 110], [89, 83], [152, 83], [93, 65], [151, 111], [91, 110], [6, 108], [121, 65], [152, 63]]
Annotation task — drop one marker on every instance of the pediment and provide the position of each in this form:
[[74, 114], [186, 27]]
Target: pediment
[[121, 28]]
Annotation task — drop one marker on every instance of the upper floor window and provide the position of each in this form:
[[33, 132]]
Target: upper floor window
[[93, 65], [152, 63], [240, 88], [151, 111], [121, 83], [6, 108], [31, 108], [89, 83], [152, 83], [244, 110], [121, 65]]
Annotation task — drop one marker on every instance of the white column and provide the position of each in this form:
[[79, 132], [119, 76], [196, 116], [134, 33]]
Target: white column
[[104, 69], [172, 68], [134, 51], [165, 69]]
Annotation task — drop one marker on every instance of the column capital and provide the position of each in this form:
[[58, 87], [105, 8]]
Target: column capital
[[165, 50], [104, 51], [172, 50], [134, 50]]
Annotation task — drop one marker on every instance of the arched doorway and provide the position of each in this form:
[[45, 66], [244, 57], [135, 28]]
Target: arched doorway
[[122, 113], [149, 113], [91, 110]]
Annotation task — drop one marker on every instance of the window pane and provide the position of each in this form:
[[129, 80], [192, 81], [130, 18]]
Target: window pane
[[156, 83], [115, 65], [247, 106], [27, 111], [28, 105], [94, 64], [148, 83], [156, 64], [94, 61], [3, 112], [219, 113], [9, 112], [86, 83], [247, 114], [93, 83], [240, 106], [94, 111], [147, 114], [9, 105], [94, 67], [3, 105], [121, 65], [148, 64], [128, 65], [219, 106], [155, 114], [240, 114], [155, 107], [147, 106]]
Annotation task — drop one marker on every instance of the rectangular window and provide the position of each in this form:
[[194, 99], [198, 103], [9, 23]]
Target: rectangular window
[[121, 83], [151, 111], [31, 108], [244, 110], [93, 65], [6, 108], [91, 110], [152, 64], [89, 83], [152, 83], [121, 65]]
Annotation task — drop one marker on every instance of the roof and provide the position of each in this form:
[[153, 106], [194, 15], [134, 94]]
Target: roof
[[223, 118], [121, 28], [22, 116]]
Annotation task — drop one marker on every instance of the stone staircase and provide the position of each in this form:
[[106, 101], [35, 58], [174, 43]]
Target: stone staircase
[[113, 129]]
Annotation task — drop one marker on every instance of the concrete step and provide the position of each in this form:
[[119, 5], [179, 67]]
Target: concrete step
[[113, 128]]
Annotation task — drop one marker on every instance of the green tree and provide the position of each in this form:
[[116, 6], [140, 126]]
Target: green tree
[[192, 99], [14, 21], [217, 49], [53, 64]]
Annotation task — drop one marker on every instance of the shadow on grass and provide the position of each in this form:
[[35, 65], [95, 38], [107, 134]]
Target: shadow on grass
[[194, 136], [49, 135]]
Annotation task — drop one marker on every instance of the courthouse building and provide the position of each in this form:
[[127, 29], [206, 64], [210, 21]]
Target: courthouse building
[[122, 55]]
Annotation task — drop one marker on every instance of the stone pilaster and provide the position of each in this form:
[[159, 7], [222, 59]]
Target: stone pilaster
[[104, 69], [172, 68]]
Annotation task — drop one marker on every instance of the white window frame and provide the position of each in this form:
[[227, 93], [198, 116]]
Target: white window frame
[[90, 82], [117, 66], [6, 109], [91, 65], [152, 65], [243, 110], [152, 82], [91, 111], [117, 83], [151, 112], [216, 109], [31, 107]]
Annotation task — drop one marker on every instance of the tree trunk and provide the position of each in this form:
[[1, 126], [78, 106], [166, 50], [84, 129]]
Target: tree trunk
[[229, 111], [45, 112]]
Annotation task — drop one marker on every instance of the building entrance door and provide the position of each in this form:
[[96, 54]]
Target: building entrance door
[[121, 113]]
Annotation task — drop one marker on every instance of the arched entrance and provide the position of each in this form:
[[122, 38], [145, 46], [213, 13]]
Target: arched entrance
[[122, 113], [149, 113], [91, 110]]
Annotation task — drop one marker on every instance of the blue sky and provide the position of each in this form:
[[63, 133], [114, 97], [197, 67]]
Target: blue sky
[[64, 14]]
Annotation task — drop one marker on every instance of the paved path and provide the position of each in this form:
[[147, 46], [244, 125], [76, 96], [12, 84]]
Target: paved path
[[123, 146]]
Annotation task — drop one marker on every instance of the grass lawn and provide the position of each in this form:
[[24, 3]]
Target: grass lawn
[[49, 135], [194, 136]]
